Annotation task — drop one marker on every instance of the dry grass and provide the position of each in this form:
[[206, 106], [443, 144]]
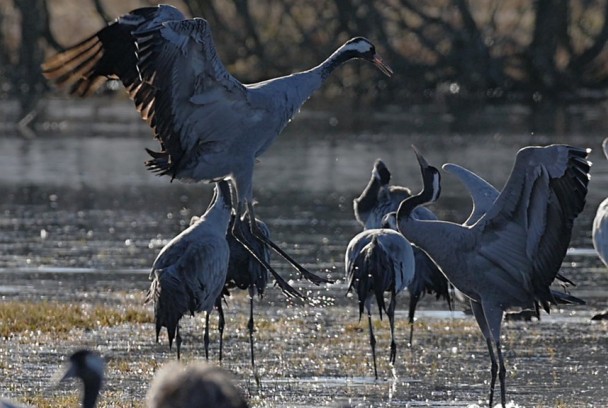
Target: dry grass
[[19, 317]]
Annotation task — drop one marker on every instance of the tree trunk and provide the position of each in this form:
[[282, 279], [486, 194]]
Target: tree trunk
[[550, 32], [30, 83]]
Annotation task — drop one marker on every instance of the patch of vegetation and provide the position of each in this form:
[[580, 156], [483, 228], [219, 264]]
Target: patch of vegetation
[[26, 316]]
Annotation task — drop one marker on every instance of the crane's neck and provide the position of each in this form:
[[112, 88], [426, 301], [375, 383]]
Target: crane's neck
[[300, 86], [368, 199], [92, 386], [408, 224], [220, 208]]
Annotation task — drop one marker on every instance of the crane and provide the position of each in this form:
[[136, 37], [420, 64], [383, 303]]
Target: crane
[[378, 261], [376, 207], [510, 256], [210, 125], [190, 271]]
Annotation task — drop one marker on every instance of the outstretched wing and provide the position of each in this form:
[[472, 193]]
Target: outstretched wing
[[109, 53], [483, 193], [195, 103], [528, 230]]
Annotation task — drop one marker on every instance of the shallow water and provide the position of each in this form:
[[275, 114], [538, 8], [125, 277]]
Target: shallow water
[[82, 221]]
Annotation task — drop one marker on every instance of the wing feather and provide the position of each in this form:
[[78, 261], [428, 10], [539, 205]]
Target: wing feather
[[109, 53], [528, 230], [192, 90]]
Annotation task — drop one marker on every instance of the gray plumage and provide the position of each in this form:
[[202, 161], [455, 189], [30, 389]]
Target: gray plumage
[[84, 364], [376, 207], [190, 271], [89, 367], [379, 261], [193, 386], [511, 255], [599, 232], [380, 198], [483, 195], [209, 125], [245, 273]]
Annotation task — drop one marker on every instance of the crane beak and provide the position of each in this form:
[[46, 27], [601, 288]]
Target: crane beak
[[386, 70], [421, 160], [69, 371]]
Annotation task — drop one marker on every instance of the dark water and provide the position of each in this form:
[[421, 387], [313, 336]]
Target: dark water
[[81, 219]]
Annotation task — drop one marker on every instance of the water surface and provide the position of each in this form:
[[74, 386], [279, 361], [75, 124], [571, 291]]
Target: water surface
[[82, 221]]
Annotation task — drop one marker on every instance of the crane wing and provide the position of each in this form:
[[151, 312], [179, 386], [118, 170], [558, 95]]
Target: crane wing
[[196, 270], [109, 53], [194, 104], [483, 193], [527, 231]]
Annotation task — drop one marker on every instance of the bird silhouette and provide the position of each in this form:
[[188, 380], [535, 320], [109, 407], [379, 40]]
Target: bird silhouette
[[210, 125], [84, 364], [190, 271], [511, 255], [376, 207], [378, 261], [599, 232]]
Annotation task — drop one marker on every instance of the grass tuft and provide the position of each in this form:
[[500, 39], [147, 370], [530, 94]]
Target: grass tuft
[[22, 317]]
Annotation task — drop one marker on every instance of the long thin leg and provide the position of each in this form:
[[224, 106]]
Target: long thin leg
[[220, 324], [501, 375], [178, 342], [287, 289], [206, 336], [317, 280], [391, 320], [413, 303], [250, 327], [478, 312], [372, 341], [494, 316], [493, 370]]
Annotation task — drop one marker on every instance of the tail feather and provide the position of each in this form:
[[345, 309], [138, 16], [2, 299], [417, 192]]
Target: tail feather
[[170, 303], [566, 298]]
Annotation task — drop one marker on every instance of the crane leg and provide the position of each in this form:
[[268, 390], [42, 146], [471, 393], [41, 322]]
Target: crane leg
[[493, 370], [221, 322], [286, 288], [372, 342], [317, 280], [480, 316], [391, 320], [413, 303], [502, 371], [250, 327], [206, 336], [178, 342]]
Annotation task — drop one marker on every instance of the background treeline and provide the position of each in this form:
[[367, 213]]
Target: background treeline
[[482, 49]]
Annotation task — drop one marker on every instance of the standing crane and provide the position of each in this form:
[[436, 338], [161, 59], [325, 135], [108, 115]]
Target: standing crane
[[378, 261], [210, 126], [512, 254], [376, 207], [599, 232], [190, 271]]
